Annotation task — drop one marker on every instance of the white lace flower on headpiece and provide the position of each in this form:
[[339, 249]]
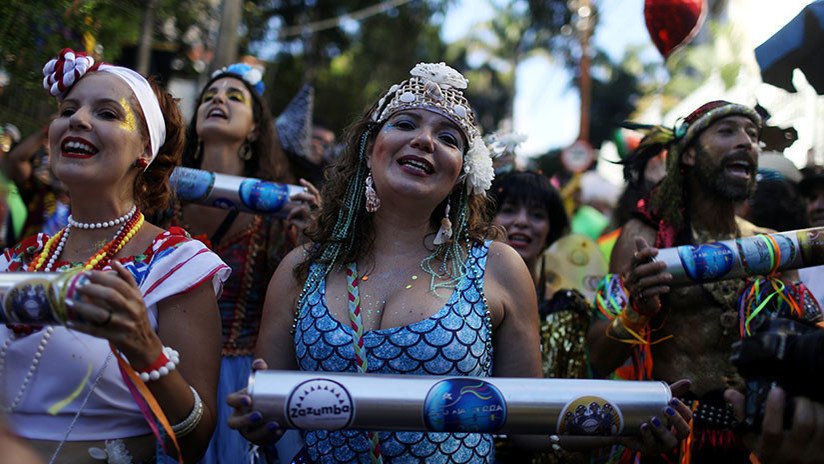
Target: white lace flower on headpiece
[[478, 168], [504, 143], [441, 74]]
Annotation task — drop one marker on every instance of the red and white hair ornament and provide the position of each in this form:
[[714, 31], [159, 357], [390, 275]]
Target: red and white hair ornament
[[63, 72]]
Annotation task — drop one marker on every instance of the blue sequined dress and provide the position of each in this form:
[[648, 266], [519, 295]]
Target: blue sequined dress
[[455, 341]]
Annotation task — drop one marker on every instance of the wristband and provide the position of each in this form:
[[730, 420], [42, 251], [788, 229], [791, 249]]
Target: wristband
[[633, 319], [166, 362], [187, 425]]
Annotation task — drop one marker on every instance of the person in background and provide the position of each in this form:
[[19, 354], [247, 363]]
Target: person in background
[[323, 143], [531, 211], [232, 132], [777, 203], [9, 136], [45, 197], [641, 174], [294, 133], [812, 187]]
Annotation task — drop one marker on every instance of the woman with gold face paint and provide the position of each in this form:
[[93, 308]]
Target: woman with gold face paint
[[233, 132], [138, 360]]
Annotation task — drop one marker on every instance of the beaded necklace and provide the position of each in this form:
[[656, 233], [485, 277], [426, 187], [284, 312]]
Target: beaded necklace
[[97, 261], [41, 347], [54, 246]]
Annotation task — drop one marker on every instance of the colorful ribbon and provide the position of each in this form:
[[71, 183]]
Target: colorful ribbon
[[769, 295], [356, 322]]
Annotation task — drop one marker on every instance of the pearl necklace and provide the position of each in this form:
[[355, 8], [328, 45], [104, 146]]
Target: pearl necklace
[[134, 222], [104, 224], [41, 348]]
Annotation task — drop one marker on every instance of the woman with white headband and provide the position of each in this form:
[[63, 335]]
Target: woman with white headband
[[402, 277], [136, 371]]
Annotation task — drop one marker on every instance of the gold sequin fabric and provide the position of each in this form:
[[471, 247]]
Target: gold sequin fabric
[[563, 345]]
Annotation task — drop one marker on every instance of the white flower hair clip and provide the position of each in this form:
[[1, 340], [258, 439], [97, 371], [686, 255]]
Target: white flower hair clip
[[440, 73], [478, 168], [250, 74], [504, 143]]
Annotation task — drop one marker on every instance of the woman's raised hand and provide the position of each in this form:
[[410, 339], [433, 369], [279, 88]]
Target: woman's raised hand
[[250, 423], [308, 202], [112, 307]]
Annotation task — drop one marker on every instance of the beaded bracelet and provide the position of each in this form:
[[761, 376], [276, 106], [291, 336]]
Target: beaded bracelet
[[187, 425], [556, 443], [166, 362]]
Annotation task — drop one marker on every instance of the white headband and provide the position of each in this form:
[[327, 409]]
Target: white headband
[[148, 103]]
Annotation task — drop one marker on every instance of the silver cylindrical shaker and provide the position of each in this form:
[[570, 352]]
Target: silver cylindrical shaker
[[742, 257], [331, 401], [38, 298], [232, 192]]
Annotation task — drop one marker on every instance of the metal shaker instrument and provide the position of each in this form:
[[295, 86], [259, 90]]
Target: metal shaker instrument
[[39, 298], [233, 192], [743, 257], [332, 401]]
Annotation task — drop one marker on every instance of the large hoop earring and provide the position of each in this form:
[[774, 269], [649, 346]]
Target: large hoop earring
[[373, 202]]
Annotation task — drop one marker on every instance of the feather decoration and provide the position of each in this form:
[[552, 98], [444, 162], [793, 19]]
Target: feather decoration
[[656, 139]]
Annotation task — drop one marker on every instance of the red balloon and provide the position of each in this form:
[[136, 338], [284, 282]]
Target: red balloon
[[673, 23]]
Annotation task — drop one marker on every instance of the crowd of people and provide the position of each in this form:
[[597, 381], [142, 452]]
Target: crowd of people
[[407, 256]]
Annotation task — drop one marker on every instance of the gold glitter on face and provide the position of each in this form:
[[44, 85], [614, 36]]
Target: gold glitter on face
[[129, 120], [230, 90]]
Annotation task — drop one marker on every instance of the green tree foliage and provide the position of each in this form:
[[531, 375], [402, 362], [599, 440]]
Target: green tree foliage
[[616, 89], [493, 49], [33, 32], [349, 66]]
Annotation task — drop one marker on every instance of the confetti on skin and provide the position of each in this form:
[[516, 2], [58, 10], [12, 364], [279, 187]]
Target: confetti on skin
[[409, 286], [129, 121], [365, 278], [414, 277]]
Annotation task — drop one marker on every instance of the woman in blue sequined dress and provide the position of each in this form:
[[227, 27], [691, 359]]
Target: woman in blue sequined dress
[[402, 277]]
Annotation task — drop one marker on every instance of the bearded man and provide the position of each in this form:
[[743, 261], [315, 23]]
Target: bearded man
[[711, 166]]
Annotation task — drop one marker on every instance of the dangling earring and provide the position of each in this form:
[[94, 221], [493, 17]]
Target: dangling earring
[[372, 200], [445, 232], [245, 152]]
